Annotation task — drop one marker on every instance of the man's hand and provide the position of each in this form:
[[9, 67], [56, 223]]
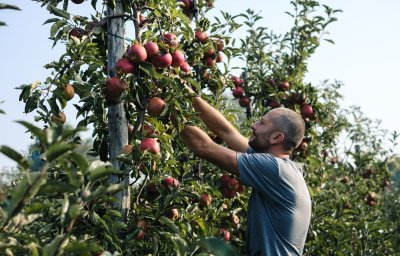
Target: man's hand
[[201, 144]]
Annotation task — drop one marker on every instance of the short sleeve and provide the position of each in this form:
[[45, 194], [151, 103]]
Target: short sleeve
[[259, 171]]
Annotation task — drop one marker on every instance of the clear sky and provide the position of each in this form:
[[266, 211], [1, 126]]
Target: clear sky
[[365, 56]]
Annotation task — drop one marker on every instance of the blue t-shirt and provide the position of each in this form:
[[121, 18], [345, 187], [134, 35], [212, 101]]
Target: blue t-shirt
[[279, 210]]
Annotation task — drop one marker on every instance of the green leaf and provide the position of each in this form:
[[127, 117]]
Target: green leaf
[[102, 190], [25, 190], [36, 207], [33, 129], [88, 247], [56, 27], [217, 247], [57, 150], [57, 187], [80, 161], [54, 247], [14, 155], [58, 12], [180, 245], [101, 172], [51, 20], [74, 211], [169, 224], [8, 6]]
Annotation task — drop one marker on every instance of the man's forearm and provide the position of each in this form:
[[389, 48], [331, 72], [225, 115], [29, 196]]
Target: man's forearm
[[212, 118]]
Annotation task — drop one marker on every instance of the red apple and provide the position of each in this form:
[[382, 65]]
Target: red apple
[[148, 129], [237, 81], [162, 60], [171, 182], [219, 58], [239, 188], [124, 66], [114, 88], [205, 199], [345, 179], [209, 61], [284, 85], [142, 18], [140, 235], [303, 145], [232, 183], [371, 196], [171, 40], [127, 149], [150, 145], [177, 59], [220, 45], [367, 173], [77, 32], [172, 214], [234, 219], [306, 111], [209, 51], [59, 118], [142, 224], [270, 81], [201, 36], [274, 103], [226, 234], [228, 192], [130, 128], [237, 92], [244, 101], [152, 189], [224, 179], [68, 92], [185, 4], [155, 106], [297, 98], [185, 67], [151, 49], [137, 53]]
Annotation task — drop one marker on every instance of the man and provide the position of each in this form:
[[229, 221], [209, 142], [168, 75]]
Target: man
[[279, 209]]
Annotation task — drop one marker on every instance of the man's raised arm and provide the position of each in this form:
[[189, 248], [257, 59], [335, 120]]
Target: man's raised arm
[[219, 125]]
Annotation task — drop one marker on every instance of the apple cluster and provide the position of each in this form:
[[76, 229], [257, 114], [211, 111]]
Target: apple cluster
[[230, 186], [292, 98], [164, 54], [213, 52], [238, 92]]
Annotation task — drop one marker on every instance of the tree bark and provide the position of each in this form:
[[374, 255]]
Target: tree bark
[[117, 123]]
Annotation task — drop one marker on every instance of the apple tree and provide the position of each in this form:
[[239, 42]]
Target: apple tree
[[145, 193], [170, 200], [345, 154]]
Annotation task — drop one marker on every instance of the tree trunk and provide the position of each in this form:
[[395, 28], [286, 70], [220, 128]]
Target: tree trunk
[[117, 123]]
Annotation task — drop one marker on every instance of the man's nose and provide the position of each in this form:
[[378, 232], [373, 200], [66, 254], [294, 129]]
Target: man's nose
[[255, 125]]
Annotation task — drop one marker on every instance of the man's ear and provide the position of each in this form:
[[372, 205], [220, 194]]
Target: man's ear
[[276, 138]]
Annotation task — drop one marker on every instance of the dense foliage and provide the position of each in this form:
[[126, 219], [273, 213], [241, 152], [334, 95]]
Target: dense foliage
[[64, 203]]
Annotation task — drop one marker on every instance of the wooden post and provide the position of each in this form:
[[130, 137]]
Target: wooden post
[[117, 123]]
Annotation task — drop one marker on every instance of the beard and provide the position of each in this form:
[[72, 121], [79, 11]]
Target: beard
[[259, 143]]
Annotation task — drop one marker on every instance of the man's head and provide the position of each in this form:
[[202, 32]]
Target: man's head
[[279, 128]]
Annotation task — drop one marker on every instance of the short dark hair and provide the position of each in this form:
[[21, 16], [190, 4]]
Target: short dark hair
[[292, 125]]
